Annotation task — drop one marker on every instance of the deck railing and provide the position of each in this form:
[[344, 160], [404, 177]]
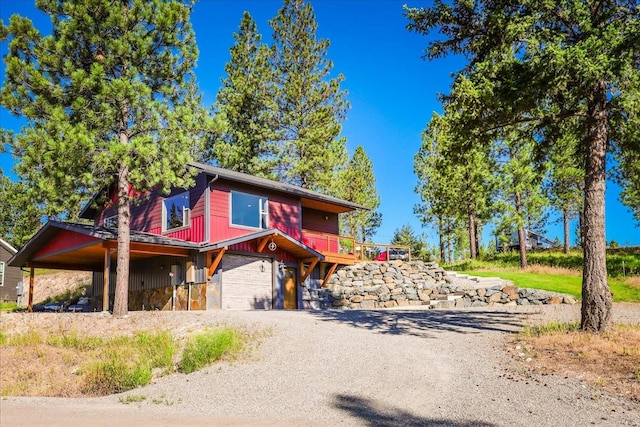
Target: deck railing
[[347, 249]]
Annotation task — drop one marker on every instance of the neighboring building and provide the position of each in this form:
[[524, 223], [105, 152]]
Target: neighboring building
[[534, 241], [232, 241], [10, 277]]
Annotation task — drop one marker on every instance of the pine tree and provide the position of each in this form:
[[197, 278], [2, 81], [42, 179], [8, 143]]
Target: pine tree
[[246, 105], [406, 236], [109, 96], [566, 176], [520, 185], [454, 186], [19, 215], [310, 105], [544, 63], [358, 186]]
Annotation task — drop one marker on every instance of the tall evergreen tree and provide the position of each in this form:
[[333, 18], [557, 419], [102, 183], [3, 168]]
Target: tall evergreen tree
[[109, 96], [520, 184], [437, 176], [406, 236], [310, 104], [545, 62], [358, 186], [457, 183], [19, 215], [246, 105], [566, 176]]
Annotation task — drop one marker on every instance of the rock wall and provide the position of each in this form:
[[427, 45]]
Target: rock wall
[[370, 285]]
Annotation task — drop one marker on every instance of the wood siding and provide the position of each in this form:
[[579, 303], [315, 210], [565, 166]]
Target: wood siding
[[12, 275], [63, 241], [325, 222], [284, 212], [146, 212]]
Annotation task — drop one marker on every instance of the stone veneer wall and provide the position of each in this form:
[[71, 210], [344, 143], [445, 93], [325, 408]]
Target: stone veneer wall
[[160, 298], [370, 285]]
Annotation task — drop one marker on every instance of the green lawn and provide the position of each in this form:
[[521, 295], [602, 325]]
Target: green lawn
[[571, 285]]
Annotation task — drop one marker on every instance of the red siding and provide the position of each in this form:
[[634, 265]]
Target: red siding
[[251, 247], [195, 233], [146, 212], [64, 240], [284, 212]]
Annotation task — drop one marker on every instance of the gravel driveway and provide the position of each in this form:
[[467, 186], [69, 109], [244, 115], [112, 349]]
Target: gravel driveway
[[357, 368]]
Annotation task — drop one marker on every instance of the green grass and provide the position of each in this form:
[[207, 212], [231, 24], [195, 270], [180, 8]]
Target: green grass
[[571, 285], [620, 262], [8, 306], [549, 328], [207, 347], [128, 362]]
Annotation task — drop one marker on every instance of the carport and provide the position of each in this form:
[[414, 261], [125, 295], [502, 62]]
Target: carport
[[82, 247]]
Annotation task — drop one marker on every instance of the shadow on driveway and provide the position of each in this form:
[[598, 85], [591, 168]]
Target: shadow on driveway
[[366, 410], [425, 323]]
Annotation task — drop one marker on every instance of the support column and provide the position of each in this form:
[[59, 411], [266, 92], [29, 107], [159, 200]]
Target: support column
[[31, 287], [105, 279]]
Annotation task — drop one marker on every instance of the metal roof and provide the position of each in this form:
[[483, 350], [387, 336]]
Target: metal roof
[[7, 246], [90, 255], [277, 186]]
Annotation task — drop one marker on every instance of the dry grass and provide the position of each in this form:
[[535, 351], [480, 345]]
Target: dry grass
[[52, 354], [609, 361], [633, 281], [545, 269]]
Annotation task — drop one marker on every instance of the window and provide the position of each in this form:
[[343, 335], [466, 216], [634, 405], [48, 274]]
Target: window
[[111, 222], [175, 212], [1, 273], [249, 210]]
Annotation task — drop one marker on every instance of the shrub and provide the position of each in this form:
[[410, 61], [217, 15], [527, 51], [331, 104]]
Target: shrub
[[128, 362], [205, 348]]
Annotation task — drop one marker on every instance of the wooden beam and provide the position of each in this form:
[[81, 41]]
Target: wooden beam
[[262, 243], [150, 249], [214, 264], [309, 270], [31, 286], [332, 270]]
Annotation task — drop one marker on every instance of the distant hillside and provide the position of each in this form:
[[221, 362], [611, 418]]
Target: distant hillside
[[53, 283]]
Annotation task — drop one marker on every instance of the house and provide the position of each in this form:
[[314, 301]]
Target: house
[[232, 241], [10, 277], [533, 241]]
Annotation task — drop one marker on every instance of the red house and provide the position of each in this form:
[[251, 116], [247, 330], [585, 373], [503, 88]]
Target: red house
[[232, 241]]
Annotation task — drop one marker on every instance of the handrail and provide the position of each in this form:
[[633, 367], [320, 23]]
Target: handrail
[[334, 243]]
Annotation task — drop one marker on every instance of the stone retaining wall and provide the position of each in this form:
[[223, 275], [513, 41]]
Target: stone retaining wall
[[370, 285]]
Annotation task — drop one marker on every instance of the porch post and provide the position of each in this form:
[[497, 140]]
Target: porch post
[[31, 287], [105, 279]]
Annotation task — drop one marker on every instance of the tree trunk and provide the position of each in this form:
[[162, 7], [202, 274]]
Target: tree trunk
[[475, 230], [522, 235], [565, 219], [121, 299], [441, 241], [596, 295], [472, 236], [471, 217]]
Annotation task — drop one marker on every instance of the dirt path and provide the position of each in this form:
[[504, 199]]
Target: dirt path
[[382, 368]]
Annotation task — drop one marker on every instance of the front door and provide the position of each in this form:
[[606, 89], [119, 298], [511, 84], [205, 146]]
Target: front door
[[290, 289]]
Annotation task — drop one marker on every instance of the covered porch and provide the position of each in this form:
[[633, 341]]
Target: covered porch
[[81, 247]]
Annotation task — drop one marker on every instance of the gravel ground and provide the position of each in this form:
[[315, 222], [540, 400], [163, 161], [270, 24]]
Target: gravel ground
[[353, 368]]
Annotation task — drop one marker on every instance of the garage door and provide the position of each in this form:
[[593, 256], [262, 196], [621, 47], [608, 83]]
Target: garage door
[[246, 283]]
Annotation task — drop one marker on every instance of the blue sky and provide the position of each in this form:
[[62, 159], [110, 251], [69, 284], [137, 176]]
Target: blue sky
[[391, 89]]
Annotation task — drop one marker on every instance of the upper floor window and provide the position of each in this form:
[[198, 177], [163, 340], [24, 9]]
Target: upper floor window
[[175, 212], [249, 210], [1, 273]]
